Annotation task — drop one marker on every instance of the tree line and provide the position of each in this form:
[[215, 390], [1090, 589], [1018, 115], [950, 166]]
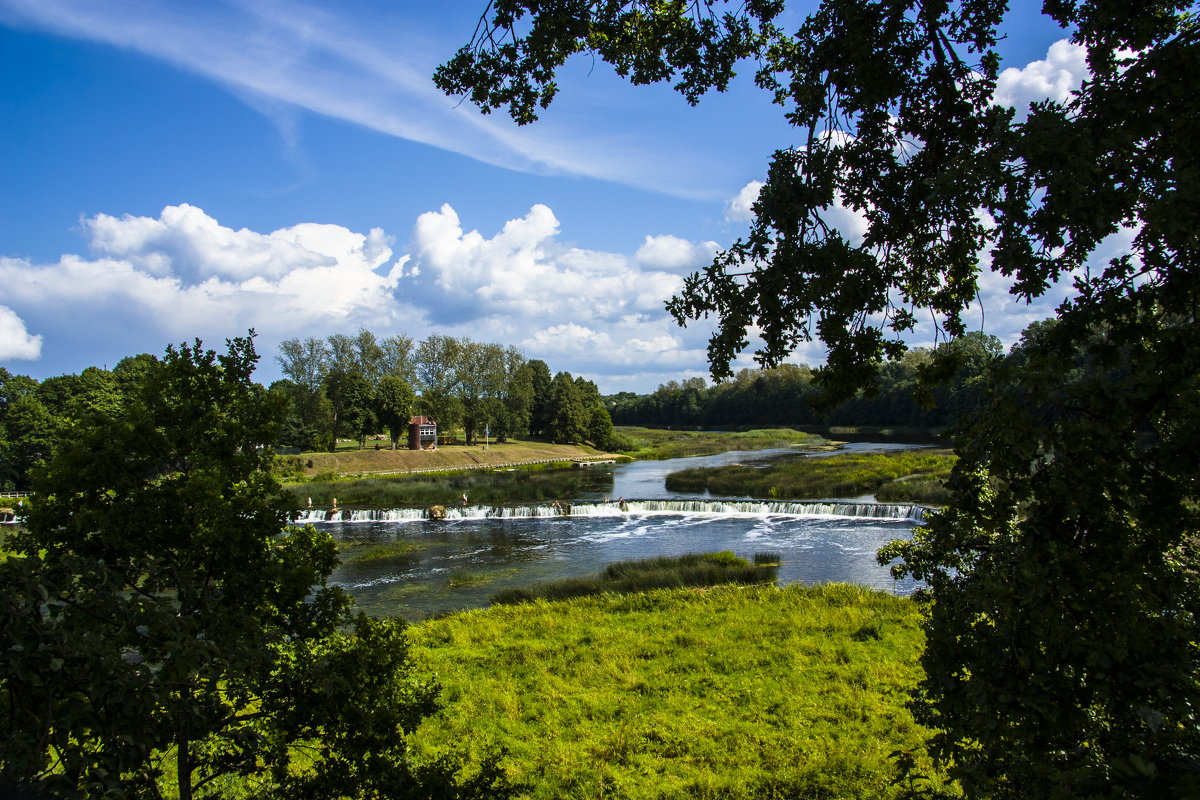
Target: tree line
[[351, 387], [790, 394], [347, 387]]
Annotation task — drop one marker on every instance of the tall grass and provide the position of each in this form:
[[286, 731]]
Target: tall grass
[[639, 575], [913, 475], [657, 444], [735, 692], [482, 487]]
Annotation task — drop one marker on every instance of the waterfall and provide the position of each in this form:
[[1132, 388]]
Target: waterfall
[[897, 511]]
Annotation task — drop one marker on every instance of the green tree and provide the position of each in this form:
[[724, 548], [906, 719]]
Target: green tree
[[32, 433], [567, 416], [397, 357], [515, 408], [1057, 487], [162, 612], [130, 371], [394, 403], [436, 363], [350, 396], [539, 411], [479, 383]]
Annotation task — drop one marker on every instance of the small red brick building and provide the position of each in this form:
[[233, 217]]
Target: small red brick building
[[422, 434]]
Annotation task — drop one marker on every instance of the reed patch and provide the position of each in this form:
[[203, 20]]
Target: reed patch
[[911, 475], [658, 572]]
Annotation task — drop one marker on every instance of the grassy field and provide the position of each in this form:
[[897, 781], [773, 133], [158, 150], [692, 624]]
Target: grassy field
[[541, 482], [729, 692], [913, 476], [450, 457], [657, 444]]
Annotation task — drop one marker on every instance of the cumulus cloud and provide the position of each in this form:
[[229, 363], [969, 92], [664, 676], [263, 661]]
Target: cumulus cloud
[[184, 274], [524, 271], [16, 344], [851, 224], [675, 254], [739, 208], [1053, 78]]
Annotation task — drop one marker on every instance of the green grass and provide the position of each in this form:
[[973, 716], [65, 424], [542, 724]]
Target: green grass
[[728, 692], [911, 475], [528, 484], [658, 572], [656, 444], [352, 551]]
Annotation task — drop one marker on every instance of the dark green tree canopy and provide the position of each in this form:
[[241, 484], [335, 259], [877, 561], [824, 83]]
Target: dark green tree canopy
[[161, 611], [893, 101]]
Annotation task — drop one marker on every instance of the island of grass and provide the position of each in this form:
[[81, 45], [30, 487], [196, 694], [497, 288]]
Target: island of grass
[[731, 692], [658, 444], [658, 572], [916, 476]]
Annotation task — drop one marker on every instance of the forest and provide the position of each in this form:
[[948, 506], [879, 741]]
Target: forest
[[788, 395]]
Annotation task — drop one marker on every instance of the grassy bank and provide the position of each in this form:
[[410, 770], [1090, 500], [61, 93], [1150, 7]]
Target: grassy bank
[[731, 692], [913, 476], [451, 457], [626, 577], [657, 444], [526, 485]]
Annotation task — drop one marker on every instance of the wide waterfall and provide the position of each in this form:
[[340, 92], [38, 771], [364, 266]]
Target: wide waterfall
[[747, 508]]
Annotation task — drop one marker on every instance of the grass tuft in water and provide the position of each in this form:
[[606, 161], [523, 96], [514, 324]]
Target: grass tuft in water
[[641, 575]]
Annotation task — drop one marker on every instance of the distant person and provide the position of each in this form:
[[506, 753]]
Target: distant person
[[310, 502], [335, 502], [462, 501]]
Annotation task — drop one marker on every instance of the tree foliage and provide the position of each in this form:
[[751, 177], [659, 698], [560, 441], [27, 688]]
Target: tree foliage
[[161, 612], [1061, 655]]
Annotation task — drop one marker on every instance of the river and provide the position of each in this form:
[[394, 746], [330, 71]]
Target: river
[[395, 562]]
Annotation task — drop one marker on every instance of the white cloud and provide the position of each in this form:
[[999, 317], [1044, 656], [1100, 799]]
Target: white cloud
[[1054, 78], [189, 275], [851, 224], [740, 207], [183, 274], [675, 254], [15, 342], [524, 271]]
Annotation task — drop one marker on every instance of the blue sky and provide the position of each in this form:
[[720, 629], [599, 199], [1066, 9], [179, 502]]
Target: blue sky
[[178, 169]]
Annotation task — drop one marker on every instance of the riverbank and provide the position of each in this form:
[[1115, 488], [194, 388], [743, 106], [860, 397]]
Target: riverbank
[[661, 444], [384, 461], [910, 476], [733, 692]]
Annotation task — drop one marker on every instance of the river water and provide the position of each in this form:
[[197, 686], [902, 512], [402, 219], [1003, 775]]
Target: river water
[[396, 562]]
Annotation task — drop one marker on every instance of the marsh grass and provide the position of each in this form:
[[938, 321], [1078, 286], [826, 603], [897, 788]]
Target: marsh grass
[[538, 483], [657, 444], [639, 575], [735, 692], [353, 551], [912, 475]]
